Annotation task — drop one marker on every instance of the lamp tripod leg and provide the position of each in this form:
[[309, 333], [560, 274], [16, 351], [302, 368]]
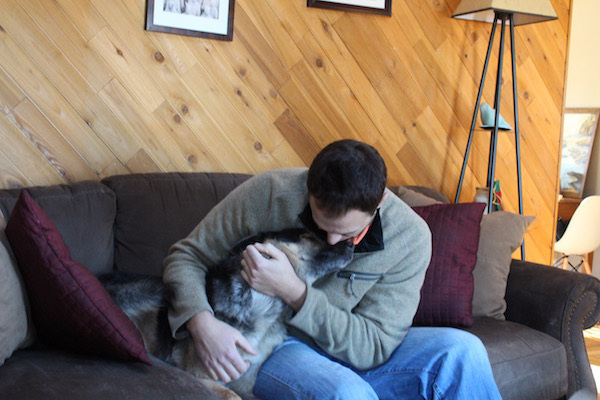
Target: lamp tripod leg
[[516, 111], [494, 136], [475, 112]]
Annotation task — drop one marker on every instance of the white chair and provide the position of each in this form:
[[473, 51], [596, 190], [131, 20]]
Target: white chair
[[582, 235]]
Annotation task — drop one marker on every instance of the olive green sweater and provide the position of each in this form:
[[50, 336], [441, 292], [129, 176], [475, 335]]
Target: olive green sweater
[[359, 321]]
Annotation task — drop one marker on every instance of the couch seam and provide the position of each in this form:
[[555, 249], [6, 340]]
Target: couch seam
[[524, 357]]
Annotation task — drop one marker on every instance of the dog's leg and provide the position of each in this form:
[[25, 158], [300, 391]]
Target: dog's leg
[[221, 391], [184, 356]]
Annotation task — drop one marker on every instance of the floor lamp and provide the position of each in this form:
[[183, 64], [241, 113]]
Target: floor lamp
[[500, 12]]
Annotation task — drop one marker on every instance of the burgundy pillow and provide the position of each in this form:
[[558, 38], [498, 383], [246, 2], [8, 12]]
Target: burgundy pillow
[[447, 293], [70, 308]]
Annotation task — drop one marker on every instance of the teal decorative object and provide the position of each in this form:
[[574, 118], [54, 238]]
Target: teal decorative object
[[488, 114]]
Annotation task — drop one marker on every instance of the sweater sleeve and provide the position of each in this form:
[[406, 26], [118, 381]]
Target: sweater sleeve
[[189, 259], [366, 335], [257, 205]]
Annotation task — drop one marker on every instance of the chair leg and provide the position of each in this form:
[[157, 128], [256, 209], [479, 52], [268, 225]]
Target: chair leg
[[565, 262], [586, 265]]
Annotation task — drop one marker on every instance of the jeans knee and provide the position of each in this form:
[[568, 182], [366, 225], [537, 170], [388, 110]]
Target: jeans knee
[[352, 389], [464, 366], [314, 388], [465, 348]]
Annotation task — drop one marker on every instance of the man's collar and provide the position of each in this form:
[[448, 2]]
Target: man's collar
[[373, 240]]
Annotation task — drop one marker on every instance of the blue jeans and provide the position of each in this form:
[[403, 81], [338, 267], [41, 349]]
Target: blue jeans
[[431, 363]]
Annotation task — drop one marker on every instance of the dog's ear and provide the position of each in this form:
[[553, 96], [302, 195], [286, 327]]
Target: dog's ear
[[243, 243]]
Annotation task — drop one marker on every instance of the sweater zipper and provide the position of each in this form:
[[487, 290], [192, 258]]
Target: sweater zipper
[[354, 275]]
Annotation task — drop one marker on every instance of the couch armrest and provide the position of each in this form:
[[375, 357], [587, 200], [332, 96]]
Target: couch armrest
[[560, 303]]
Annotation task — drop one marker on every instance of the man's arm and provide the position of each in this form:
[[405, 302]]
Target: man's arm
[[186, 265], [216, 343]]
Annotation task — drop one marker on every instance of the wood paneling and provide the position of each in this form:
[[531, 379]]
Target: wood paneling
[[85, 92]]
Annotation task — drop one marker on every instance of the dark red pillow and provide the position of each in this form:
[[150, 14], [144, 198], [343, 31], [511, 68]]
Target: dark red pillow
[[69, 306], [447, 293]]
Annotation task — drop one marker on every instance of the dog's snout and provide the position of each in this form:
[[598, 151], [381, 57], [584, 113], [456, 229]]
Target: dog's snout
[[345, 247]]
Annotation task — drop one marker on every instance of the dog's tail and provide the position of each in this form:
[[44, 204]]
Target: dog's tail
[[144, 300], [136, 292]]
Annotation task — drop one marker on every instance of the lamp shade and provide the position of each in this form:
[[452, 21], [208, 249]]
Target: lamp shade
[[524, 11]]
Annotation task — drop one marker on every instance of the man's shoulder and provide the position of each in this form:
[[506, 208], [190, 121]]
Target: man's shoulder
[[280, 179], [399, 217], [395, 208], [272, 186], [284, 174]]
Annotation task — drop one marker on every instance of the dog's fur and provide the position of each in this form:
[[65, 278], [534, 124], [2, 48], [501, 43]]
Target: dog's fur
[[258, 317]]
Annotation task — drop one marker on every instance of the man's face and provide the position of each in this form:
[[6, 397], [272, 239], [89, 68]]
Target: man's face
[[343, 227]]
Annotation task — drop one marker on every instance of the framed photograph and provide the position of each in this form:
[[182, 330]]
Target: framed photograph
[[579, 128], [383, 7], [204, 18]]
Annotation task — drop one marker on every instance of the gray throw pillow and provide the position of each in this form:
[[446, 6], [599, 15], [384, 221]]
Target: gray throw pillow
[[15, 330], [501, 234]]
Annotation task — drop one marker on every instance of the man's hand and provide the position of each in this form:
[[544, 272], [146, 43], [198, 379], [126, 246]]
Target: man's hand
[[217, 345], [268, 270]]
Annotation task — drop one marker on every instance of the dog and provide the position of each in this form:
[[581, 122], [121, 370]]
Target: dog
[[260, 318]]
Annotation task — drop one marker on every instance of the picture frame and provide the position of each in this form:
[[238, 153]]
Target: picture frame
[[579, 129], [382, 7], [211, 19]]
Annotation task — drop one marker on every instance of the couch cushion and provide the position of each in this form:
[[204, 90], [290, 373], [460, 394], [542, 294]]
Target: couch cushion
[[434, 194], [55, 375], [84, 214], [527, 364], [156, 210], [15, 329], [69, 306], [447, 293]]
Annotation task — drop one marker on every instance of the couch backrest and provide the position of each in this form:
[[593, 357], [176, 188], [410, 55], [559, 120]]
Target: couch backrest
[[83, 213], [156, 210]]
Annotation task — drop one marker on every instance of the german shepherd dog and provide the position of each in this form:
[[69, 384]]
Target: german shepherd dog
[[260, 318]]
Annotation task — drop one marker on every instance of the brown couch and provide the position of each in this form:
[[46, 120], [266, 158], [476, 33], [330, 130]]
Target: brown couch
[[129, 222]]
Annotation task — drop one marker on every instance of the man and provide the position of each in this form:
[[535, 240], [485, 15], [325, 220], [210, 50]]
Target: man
[[350, 333]]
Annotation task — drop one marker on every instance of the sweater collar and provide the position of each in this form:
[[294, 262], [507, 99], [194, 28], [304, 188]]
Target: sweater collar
[[373, 240]]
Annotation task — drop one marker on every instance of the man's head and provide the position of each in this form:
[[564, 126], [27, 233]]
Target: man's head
[[346, 182]]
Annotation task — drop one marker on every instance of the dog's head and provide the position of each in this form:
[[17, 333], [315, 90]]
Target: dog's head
[[311, 256]]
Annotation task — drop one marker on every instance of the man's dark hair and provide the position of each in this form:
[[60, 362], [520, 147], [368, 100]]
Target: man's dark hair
[[347, 175]]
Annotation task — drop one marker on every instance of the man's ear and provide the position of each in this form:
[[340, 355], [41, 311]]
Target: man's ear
[[386, 194]]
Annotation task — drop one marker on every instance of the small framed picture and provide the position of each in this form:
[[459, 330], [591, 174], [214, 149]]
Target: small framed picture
[[204, 18], [579, 128], [383, 7]]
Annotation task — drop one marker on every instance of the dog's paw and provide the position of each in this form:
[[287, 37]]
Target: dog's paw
[[220, 391]]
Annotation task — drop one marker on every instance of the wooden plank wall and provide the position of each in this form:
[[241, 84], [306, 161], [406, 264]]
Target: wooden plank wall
[[85, 93]]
